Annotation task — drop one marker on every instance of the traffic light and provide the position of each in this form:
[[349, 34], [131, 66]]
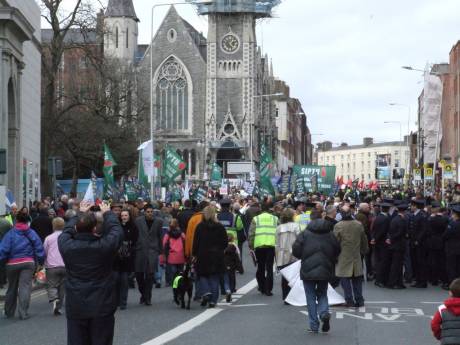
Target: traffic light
[[376, 173], [395, 174]]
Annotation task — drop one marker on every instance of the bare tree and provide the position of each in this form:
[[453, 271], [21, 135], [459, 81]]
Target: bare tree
[[89, 101]]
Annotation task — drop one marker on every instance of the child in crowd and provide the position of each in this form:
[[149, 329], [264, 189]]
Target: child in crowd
[[173, 250], [233, 264], [55, 268], [446, 322]]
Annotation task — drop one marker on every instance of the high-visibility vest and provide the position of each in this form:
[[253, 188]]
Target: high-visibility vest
[[227, 219], [265, 234], [303, 219], [9, 218], [176, 281]]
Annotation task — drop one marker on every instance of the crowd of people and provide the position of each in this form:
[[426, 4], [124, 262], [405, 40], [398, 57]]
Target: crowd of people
[[93, 255]]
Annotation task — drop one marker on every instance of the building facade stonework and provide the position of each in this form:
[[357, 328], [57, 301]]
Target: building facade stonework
[[20, 97], [360, 161]]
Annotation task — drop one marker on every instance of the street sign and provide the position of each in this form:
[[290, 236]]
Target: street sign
[[237, 168], [448, 171], [442, 162], [417, 174], [429, 174]]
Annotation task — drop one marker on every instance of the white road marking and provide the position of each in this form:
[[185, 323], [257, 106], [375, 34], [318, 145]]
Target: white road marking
[[431, 302], [197, 320], [248, 305], [379, 302]]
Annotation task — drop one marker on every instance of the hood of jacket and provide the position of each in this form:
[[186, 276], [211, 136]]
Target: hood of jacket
[[319, 226], [453, 305]]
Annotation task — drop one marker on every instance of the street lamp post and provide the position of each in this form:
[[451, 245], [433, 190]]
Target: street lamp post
[[153, 178]]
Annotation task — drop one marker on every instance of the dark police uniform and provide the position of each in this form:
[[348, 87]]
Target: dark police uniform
[[397, 248], [380, 230], [417, 237]]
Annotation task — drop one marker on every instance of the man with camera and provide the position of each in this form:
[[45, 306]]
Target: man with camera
[[89, 245]]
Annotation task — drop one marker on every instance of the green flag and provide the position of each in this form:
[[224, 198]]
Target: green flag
[[266, 187], [173, 165], [216, 175], [141, 172], [265, 162], [109, 163]]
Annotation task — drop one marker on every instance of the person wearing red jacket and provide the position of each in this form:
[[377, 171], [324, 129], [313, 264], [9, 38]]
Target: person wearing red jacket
[[446, 321]]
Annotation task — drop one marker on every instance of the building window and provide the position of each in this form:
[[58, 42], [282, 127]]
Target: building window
[[341, 156], [172, 96], [172, 35], [116, 37], [396, 163], [396, 153], [369, 176], [368, 154], [127, 37]]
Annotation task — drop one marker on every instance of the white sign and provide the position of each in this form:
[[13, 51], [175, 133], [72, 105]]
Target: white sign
[[236, 168], [223, 190]]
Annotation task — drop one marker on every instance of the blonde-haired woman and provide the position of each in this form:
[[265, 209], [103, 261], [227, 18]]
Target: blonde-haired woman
[[209, 244]]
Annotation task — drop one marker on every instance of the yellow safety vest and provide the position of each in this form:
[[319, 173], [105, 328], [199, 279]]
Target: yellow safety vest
[[9, 218], [303, 219], [265, 235]]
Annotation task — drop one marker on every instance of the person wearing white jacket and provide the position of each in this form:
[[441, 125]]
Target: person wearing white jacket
[[286, 234]]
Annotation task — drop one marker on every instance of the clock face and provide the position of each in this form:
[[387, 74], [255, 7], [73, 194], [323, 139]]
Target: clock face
[[230, 43]]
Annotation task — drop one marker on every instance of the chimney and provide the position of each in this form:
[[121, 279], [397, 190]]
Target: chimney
[[368, 141]]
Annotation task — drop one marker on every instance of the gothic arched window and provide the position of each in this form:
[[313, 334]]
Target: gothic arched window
[[172, 96], [116, 37]]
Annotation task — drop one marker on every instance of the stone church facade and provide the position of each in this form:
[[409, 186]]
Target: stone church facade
[[207, 93]]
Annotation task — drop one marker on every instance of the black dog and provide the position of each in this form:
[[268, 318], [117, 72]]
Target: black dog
[[183, 284]]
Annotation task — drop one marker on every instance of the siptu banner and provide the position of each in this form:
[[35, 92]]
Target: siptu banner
[[173, 166], [312, 178]]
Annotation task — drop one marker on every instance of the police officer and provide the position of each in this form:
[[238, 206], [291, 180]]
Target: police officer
[[397, 246], [437, 225], [452, 245], [262, 239], [380, 230], [417, 237]]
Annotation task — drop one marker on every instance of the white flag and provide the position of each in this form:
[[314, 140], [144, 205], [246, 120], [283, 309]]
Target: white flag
[[147, 157], [186, 191], [89, 195]]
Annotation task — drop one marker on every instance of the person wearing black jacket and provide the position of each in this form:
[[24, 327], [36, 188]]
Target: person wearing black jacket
[[417, 237], [437, 225], [380, 229], [318, 249], [396, 247], [88, 251], [452, 245], [42, 224], [124, 262], [184, 216]]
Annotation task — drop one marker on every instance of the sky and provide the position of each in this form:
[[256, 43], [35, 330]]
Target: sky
[[343, 59]]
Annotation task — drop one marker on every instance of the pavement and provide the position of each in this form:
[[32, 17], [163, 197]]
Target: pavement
[[389, 317]]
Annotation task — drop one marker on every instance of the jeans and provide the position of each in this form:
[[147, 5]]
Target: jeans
[[122, 288], [317, 302], [353, 287], [171, 271], [159, 273], [229, 281], [210, 286]]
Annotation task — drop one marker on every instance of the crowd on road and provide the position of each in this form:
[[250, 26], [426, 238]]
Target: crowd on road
[[92, 255]]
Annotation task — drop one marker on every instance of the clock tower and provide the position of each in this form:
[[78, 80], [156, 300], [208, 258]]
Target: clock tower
[[231, 81]]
